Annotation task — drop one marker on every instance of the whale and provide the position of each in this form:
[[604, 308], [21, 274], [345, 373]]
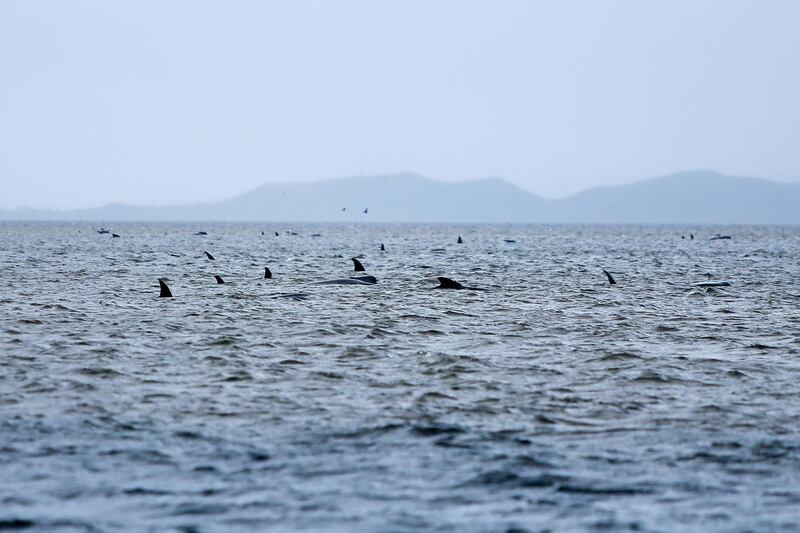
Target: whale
[[709, 284], [292, 295], [115, 235], [165, 292], [211, 257], [459, 241], [358, 266], [447, 283], [267, 273], [611, 280], [219, 279], [383, 249], [201, 233]]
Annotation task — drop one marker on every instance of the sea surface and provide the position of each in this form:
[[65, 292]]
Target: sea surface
[[551, 401]]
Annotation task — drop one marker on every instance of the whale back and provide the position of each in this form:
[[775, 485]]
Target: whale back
[[365, 279], [447, 283]]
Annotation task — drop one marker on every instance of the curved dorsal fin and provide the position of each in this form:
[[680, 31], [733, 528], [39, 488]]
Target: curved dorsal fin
[[447, 283], [267, 273], [165, 292], [610, 279], [219, 279], [211, 257], [358, 266]]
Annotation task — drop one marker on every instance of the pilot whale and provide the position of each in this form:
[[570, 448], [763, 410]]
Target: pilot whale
[[165, 292], [611, 280], [447, 283]]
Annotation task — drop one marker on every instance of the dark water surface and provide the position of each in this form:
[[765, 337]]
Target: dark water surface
[[550, 401]]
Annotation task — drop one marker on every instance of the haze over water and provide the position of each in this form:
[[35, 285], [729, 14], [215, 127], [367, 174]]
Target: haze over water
[[552, 400]]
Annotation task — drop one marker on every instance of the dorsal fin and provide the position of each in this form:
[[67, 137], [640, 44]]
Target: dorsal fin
[[459, 241], [447, 283], [165, 292], [358, 266], [267, 273], [209, 255], [382, 248], [610, 278], [219, 279]]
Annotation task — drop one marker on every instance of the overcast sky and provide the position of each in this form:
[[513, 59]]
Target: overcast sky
[[162, 102]]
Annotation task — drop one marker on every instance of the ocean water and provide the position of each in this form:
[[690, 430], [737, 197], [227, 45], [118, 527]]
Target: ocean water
[[549, 401]]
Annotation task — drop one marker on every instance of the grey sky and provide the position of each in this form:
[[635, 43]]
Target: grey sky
[[162, 102]]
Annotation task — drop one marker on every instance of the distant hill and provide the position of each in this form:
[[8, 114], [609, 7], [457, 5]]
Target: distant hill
[[686, 197]]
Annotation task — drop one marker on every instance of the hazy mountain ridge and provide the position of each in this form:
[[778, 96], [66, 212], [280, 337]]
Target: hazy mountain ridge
[[686, 197]]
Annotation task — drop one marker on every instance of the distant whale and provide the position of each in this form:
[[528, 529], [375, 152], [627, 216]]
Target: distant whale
[[358, 266], [447, 283], [201, 233], [219, 279], [382, 248], [165, 292], [267, 273], [354, 280], [115, 236], [708, 284], [459, 241], [610, 278], [211, 257], [718, 237]]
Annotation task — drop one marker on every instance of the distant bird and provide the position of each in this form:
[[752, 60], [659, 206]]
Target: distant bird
[[382, 248], [459, 241], [114, 236], [219, 279], [165, 292], [267, 273], [366, 210], [610, 278], [358, 266], [211, 257], [344, 209]]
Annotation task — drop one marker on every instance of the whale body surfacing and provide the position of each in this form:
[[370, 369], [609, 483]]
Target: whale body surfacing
[[447, 283], [165, 292], [358, 266], [709, 284]]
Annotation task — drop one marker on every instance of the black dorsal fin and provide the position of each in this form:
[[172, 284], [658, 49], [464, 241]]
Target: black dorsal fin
[[610, 278], [358, 266], [219, 279], [267, 273], [447, 283], [459, 241], [209, 255], [383, 249], [165, 292]]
